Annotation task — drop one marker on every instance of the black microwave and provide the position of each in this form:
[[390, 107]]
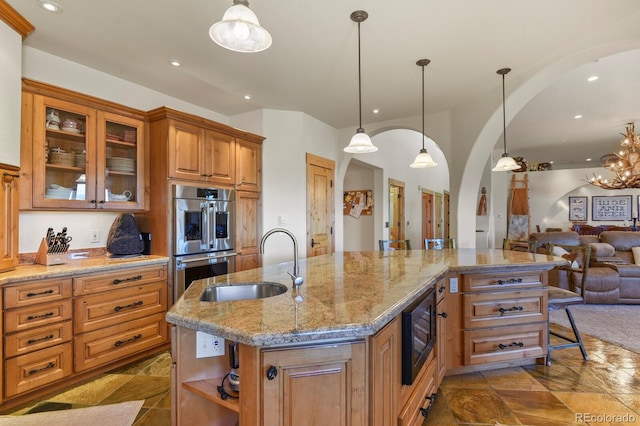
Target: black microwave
[[418, 334]]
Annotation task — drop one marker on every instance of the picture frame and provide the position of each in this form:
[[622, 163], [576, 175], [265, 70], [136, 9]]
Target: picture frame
[[615, 208], [578, 209]]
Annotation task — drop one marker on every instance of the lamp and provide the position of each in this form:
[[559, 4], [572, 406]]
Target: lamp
[[423, 159], [240, 30], [505, 163], [360, 142], [626, 166]]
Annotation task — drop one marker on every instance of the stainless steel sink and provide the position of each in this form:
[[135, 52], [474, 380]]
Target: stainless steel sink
[[241, 291]]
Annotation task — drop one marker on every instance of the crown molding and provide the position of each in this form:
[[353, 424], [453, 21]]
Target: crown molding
[[15, 20]]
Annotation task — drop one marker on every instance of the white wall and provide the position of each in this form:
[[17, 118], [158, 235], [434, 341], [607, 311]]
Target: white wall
[[11, 94], [359, 232]]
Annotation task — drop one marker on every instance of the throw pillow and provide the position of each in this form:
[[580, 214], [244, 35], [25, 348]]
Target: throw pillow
[[560, 252], [602, 250], [636, 255]]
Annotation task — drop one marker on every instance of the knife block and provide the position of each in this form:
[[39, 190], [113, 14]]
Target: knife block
[[48, 259]]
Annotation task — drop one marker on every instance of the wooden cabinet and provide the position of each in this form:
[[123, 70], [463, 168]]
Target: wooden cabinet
[[61, 330], [37, 334], [419, 403], [503, 319], [248, 165], [80, 152], [317, 382], [118, 314], [385, 374], [441, 331], [9, 200], [248, 230]]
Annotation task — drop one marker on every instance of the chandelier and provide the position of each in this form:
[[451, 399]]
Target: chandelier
[[627, 165]]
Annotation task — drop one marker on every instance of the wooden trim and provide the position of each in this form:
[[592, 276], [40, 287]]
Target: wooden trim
[[8, 166], [169, 113], [396, 183], [78, 98], [16, 21], [320, 161]]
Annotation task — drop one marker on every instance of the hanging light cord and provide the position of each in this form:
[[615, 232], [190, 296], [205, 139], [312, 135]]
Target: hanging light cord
[[504, 117], [359, 82], [422, 106]]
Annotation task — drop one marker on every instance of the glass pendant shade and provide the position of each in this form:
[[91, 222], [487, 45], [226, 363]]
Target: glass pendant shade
[[423, 160], [240, 30], [505, 164], [360, 143]]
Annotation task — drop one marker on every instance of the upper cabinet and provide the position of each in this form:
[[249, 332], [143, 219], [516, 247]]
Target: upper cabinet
[[79, 152], [200, 150], [9, 218]]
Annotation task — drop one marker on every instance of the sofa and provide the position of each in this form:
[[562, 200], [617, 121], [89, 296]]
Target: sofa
[[613, 277]]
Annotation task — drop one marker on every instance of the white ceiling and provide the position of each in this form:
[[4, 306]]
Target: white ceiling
[[312, 64]]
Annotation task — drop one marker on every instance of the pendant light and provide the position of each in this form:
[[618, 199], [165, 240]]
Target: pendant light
[[505, 163], [423, 159], [360, 142], [240, 30]]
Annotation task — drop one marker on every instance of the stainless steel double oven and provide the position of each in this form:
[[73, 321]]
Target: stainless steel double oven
[[203, 236]]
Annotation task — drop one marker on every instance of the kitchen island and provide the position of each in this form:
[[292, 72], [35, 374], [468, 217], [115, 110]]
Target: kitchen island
[[332, 348]]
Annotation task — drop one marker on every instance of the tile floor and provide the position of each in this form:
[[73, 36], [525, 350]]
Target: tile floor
[[602, 391]]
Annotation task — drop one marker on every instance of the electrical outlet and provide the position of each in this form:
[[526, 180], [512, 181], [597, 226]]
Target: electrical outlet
[[95, 236], [208, 345]]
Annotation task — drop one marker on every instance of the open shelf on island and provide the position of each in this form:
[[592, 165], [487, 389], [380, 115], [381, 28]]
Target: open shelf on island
[[208, 389]]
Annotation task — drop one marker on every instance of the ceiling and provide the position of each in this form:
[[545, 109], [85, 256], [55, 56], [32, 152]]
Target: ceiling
[[312, 65]]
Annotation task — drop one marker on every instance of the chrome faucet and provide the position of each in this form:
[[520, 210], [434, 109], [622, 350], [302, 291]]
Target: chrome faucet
[[297, 279]]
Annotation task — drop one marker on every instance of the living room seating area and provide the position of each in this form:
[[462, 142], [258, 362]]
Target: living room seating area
[[613, 272]]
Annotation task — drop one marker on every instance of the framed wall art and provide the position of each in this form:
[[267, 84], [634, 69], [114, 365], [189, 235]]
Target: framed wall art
[[611, 208], [578, 209]]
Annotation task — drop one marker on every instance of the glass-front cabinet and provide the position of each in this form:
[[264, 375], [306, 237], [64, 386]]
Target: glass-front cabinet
[[85, 157]]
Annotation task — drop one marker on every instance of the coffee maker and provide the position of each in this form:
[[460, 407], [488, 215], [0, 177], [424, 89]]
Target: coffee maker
[[234, 374]]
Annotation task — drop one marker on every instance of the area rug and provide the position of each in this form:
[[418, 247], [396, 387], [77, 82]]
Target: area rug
[[122, 414], [617, 324]]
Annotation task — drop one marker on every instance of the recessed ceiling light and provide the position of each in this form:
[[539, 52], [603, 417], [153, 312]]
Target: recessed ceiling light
[[247, 97], [588, 159], [551, 162], [50, 6], [175, 63], [577, 116], [375, 111], [593, 78]]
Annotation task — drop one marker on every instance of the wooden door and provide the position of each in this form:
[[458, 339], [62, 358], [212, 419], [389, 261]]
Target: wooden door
[[396, 210], [437, 204], [320, 206], [186, 158], [427, 216], [385, 374], [248, 165], [9, 219], [447, 215], [220, 158], [247, 230], [315, 385]]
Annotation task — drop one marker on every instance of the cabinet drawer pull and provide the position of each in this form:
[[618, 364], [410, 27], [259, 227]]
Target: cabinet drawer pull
[[442, 289], [502, 346], [32, 341], [124, 280], [272, 372], [122, 342], [46, 367], [443, 314], [510, 281], [50, 291], [132, 305], [33, 317], [425, 411], [9, 175], [515, 308]]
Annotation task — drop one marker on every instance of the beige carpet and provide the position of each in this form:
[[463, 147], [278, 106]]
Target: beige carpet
[[618, 324], [122, 414]]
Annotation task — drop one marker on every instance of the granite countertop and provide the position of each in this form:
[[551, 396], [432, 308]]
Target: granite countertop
[[32, 271], [345, 294]]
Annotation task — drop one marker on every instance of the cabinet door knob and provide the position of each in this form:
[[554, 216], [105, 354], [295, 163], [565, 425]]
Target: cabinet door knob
[[272, 372], [443, 314]]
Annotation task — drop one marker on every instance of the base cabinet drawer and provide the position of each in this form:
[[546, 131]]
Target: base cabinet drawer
[[39, 368], [37, 292], [115, 307], [503, 281], [32, 340], [504, 343], [102, 346], [94, 283], [417, 408], [493, 309], [39, 315]]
